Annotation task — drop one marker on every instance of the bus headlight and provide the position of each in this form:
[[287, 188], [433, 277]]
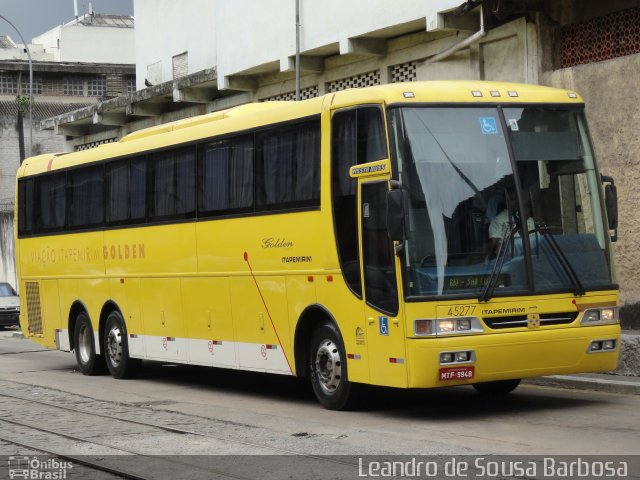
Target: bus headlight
[[447, 326], [600, 316]]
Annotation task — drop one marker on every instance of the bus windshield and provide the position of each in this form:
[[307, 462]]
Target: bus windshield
[[482, 223]]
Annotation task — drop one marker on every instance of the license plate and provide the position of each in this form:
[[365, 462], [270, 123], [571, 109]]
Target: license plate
[[457, 373]]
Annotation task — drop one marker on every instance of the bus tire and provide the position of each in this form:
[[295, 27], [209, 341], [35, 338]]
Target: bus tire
[[328, 369], [88, 361], [116, 348], [500, 387]]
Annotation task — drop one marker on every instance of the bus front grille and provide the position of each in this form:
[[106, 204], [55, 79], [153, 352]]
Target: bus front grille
[[519, 321], [34, 313]]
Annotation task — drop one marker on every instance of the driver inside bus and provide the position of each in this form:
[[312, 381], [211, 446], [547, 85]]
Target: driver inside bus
[[500, 224]]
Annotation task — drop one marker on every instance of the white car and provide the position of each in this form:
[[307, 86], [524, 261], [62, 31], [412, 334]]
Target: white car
[[9, 306]]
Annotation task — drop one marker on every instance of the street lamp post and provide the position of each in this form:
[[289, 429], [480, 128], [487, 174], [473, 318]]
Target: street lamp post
[[26, 46]]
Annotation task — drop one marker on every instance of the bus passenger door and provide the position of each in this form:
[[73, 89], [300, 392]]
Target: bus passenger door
[[385, 328]]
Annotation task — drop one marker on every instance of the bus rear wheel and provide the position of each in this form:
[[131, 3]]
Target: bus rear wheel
[[88, 361], [116, 348], [500, 387], [328, 369]]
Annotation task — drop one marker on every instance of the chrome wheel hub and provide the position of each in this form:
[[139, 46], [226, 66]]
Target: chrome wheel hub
[[114, 346], [84, 344], [328, 366]]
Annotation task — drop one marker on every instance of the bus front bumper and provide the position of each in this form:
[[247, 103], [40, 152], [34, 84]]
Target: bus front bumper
[[504, 356]]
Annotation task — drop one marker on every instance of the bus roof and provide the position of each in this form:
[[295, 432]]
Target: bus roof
[[253, 115]]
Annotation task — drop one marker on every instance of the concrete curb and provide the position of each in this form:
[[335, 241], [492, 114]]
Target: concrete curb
[[608, 383]]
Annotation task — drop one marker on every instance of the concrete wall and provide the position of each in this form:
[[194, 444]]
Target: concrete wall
[[612, 95], [37, 53], [97, 45], [250, 33], [165, 28], [507, 53], [90, 44], [246, 34]]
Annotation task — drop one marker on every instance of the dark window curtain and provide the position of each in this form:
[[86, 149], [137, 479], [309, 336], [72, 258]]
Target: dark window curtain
[[85, 199], [52, 201], [371, 138], [307, 163], [138, 189], [126, 191], [214, 173], [185, 182], [59, 200], [241, 174], [118, 192], [164, 185], [95, 196], [26, 203], [174, 180], [344, 153], [277, 162], [43, 211]]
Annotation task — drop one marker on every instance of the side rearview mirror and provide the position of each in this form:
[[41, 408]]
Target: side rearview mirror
[[397, 203], [611, 205]]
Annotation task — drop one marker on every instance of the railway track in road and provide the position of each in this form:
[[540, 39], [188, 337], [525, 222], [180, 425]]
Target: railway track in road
[[110, 460], [113, 438]]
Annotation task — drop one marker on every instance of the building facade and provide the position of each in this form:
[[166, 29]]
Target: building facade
[[221, 54], [64, 79]]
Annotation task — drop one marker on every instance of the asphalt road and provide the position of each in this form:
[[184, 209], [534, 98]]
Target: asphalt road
[[179, 410]]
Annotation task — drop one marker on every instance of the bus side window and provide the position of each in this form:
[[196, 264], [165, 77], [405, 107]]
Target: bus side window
[[50, 203], [173, 184], [357, 137], [225, 179], [288, 167], [126, 191], [25, 207], [85, 197]]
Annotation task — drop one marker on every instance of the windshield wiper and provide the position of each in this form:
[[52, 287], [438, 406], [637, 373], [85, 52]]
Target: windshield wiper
[[578, 289], [497, 266]]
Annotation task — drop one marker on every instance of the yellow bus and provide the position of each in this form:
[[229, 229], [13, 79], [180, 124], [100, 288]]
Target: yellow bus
[[411, 235]]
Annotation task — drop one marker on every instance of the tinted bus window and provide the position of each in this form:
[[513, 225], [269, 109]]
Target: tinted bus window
[[50, 203], [289, 167], [25, 207], [226, 176], [173, 180], [126, 191], [85, 203]]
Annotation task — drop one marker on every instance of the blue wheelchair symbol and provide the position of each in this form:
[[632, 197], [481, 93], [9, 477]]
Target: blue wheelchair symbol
[[384, 325], [488, 125]]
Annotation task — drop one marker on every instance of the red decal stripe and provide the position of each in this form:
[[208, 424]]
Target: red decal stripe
[[273, 325]]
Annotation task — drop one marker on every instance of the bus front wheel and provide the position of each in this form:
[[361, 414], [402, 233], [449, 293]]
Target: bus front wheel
[[116, 348], [328, 369], [500, 387], [88, 361]]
